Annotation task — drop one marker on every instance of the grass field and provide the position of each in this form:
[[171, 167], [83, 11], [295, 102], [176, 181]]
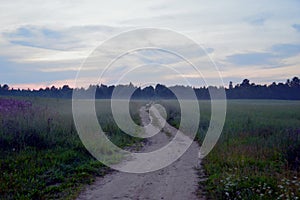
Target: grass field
[[41, 155], [258, 154]]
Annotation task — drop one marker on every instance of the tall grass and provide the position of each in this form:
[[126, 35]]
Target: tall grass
[[258, 154], [41, 155]]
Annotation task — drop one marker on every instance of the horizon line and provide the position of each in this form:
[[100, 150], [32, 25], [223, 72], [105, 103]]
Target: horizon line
[[60, 84]]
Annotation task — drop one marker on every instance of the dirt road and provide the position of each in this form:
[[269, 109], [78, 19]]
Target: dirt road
[[178, 181]]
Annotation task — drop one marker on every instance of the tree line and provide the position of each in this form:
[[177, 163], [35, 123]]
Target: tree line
[[290, 90]]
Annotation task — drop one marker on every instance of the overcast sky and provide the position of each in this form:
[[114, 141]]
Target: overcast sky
[[44, 43]]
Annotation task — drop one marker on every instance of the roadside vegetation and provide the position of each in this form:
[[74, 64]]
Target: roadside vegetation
[[41, 155], [258, 154]]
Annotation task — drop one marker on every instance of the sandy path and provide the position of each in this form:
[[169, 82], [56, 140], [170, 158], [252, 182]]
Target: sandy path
[[178, 181]]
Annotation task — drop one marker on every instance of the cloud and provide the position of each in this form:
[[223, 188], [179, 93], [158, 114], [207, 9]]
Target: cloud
[[34, 31], [34, 36], [6, 65], [57, 38], [286, 50], [12, 72], [297, 27], [258, 19], [271, 58], [255, 58]]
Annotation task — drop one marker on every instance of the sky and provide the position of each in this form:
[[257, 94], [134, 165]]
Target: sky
[[45, 43]]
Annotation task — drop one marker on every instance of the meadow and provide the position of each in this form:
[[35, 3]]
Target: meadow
[[258, 153], [41, 155]]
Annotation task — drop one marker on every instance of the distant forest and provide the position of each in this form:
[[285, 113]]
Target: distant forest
[[290, 90]]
